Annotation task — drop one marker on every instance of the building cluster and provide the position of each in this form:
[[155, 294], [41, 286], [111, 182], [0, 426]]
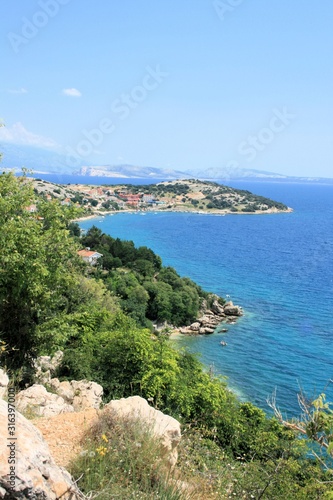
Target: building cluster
[[121, 196], [98, 197], [136, 200]]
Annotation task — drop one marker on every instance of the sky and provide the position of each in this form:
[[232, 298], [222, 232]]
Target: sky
[[200, 85]]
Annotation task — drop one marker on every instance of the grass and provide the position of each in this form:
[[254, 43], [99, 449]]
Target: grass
[[121, 459]]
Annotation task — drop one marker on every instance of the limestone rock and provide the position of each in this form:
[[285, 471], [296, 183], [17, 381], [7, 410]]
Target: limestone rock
[[204, 330], [81, 394], [86, 395], [163, 427], [66, 398], [63, 389], [208, 330], [37, 402], [195, 326], [217, 308], [231, 310], [4, 381], [46, 365], [36, 474]]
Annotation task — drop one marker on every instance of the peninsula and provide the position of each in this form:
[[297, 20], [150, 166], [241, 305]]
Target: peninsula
[[188, 195]]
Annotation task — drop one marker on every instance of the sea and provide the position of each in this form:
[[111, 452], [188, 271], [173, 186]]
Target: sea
[[277, 267]]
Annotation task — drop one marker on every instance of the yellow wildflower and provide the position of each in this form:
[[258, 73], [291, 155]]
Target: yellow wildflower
[[101, 450]]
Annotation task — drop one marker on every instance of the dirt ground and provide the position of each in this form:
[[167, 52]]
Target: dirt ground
[[64, 433]]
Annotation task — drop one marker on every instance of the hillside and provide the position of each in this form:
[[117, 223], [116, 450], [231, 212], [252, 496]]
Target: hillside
[[193, 195], [183, 196]]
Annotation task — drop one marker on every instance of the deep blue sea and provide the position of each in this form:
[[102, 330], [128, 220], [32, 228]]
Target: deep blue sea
[[279, 268]]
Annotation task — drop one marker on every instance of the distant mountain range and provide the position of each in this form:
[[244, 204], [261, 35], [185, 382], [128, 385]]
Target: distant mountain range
[[47, 161], [132, 172], [51, 162], [36, 159]]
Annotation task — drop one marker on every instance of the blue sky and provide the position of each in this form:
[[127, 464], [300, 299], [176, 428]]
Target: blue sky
[[200, 84]]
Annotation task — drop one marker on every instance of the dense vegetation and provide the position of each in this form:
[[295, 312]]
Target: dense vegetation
[[147, 289], [50, 299]]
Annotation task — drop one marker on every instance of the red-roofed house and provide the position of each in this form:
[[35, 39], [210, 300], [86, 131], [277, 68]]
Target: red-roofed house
[[90, 256], [31, 208], [66, 201]]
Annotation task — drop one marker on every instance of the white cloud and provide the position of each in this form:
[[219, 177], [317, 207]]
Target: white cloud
[[18, 134], [18, 91], [72, 92]]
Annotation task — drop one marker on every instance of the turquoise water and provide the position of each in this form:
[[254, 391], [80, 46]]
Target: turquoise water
[[279, 268]]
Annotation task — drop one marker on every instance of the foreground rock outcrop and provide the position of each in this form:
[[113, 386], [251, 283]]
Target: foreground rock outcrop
[[164, 428], [65, 433], [82, 394], [27, 468], [4, 381], [66, 397], [34, 474], [36, 401]]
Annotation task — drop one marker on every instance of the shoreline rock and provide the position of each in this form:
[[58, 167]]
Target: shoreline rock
[[211, 318]]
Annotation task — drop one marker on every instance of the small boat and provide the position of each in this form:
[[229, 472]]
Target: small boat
[[223, 343]]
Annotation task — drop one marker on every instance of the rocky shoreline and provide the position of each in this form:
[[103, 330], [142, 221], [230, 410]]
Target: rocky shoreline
[[209, 319]]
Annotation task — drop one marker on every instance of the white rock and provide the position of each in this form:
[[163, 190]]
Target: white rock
[[67, 397], [195, 326], [65, 390], [231, 310], [165, 428], [37, 475], [86, 394], [217, 308], [46, 365], [4, 381], [37, 402]]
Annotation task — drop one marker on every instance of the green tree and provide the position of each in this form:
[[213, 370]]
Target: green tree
[[38, 267]]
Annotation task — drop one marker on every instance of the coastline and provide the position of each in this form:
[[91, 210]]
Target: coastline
[[215, 314], [198, 212]]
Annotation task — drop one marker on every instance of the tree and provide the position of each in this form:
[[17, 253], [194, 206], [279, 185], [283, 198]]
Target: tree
[[38, 266], [74, 229]]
